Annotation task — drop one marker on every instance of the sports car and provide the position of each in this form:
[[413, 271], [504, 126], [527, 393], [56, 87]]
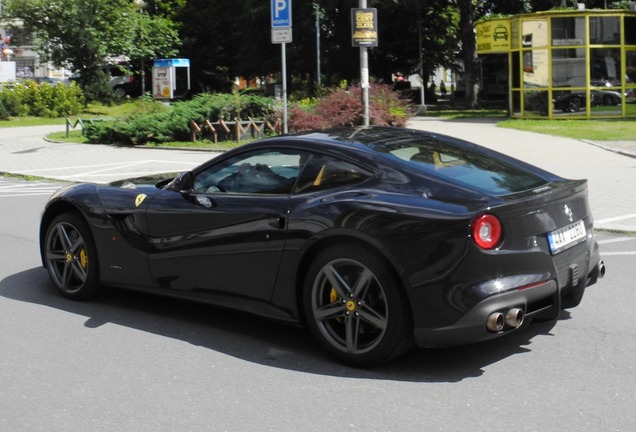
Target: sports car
[[575, 101], [376, 239]]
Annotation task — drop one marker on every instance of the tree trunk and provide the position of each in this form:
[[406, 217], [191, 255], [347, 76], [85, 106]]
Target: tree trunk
[[469, 52]]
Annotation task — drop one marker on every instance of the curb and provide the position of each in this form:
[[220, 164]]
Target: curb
[[611, 149]]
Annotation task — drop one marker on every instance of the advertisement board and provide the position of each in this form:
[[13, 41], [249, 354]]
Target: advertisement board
[[364, 27], [493, 36]]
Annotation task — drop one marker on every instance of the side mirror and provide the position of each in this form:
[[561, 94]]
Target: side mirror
[[183, 182]]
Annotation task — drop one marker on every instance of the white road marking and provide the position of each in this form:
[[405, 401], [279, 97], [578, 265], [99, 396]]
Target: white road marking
[[616, 240], [11, 189], [617, 218], [111, 165], [627, 253]]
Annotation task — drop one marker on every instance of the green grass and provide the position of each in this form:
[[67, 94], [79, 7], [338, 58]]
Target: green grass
[[75, 136], [595, 130], [31, 121], [473, 113]]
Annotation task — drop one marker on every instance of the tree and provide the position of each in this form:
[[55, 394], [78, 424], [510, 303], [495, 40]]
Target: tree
[[469, 51], [81, 34]]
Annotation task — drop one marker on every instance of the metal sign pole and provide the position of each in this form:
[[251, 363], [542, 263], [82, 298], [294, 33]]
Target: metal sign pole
[[364, 76], [282, 34], [284, 72]]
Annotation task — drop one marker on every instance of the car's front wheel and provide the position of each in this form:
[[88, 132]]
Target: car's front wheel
[[71, 257], [356, 308]]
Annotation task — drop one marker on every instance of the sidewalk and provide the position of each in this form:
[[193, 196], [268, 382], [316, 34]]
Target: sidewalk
[[610, 167]]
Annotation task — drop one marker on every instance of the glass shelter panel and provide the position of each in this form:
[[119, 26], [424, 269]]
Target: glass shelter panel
[[534, 33], [516, 103], [535, 68], [568, 31], [630, 81], [568, 67], [514, 34], [569, 103], [535, 103], [605, 66], [515, 68], [630, 67], [630, 30], [605, 30]]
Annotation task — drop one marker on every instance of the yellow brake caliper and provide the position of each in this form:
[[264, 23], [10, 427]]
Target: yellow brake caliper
[[83, 256]]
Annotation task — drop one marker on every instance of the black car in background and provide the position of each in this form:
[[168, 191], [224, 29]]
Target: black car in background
[[377, 239], [575, 101]]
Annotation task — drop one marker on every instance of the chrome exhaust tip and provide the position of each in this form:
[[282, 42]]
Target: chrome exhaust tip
[[514, 317], [601, 269], [495, 322]]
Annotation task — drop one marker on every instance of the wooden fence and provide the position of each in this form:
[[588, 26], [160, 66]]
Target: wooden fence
[[238, 130]]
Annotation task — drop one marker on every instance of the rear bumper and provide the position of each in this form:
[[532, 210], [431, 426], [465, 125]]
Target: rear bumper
[[542, 299]]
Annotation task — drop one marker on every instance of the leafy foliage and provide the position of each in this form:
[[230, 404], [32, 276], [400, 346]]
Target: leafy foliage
[[344, 108], [81, 34], [174, 124], [40, 100]]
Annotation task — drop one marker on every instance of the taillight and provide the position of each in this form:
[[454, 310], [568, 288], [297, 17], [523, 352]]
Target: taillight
[[487, 231]]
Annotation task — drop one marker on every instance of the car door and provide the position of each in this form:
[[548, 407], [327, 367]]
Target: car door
[[224, 236]]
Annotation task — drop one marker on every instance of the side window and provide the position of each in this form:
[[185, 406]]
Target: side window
[[324, 172], [255, 172]]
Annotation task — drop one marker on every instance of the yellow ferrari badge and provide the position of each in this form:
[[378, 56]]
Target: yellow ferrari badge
[[140, 198]]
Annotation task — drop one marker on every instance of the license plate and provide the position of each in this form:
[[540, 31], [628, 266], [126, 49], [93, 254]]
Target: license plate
[[566, 237]]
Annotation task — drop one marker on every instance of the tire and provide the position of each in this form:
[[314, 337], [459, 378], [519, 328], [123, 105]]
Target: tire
[[71, 257], [120, 92], [574, 105], [355, 307]]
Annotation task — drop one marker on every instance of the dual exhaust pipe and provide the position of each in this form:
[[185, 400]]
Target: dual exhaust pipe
[[498, 321], [513, 318]]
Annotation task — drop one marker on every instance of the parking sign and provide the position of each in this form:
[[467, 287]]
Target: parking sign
[[281, 13]]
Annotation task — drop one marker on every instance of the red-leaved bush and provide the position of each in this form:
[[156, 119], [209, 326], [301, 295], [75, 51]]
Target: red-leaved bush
[[344, 108]]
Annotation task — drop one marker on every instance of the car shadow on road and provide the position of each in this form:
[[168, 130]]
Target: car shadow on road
[[261, 341]]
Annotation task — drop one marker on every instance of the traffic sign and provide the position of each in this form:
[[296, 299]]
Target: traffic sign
[[281, 35], [281, 13]]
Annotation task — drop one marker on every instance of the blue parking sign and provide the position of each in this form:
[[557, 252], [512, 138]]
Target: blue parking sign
[[281, 13]]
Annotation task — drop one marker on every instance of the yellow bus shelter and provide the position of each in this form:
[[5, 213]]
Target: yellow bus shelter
[[566, 64]]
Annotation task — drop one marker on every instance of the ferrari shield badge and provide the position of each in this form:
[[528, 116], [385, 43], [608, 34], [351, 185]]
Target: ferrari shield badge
[[140, 198]]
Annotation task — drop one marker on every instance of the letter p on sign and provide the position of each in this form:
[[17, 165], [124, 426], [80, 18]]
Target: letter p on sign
[[281, 13], [280, 5]]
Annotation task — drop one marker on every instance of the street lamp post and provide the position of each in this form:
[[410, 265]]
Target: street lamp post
[[141, 5]]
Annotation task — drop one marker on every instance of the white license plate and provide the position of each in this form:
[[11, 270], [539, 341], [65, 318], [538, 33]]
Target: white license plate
[[566, 237]]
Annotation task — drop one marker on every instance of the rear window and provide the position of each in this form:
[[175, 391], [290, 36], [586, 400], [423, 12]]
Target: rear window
[[462, 165]]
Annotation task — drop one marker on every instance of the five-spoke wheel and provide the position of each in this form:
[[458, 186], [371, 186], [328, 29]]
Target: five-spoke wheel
[[574, 104], [355, 307], [71, 257]]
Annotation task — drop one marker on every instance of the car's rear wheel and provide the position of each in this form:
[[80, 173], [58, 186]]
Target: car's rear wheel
[[574, 104], [356, 308], [120, 92], [71, 257]]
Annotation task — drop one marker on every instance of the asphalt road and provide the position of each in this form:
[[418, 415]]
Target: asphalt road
[[128, 362]]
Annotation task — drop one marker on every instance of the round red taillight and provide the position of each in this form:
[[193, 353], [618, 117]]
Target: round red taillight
[[487, 231]]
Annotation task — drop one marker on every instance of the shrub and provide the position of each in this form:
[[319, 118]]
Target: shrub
[[42, 100], [341, 108], [344, 108], [300, 119], [174, 124]]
